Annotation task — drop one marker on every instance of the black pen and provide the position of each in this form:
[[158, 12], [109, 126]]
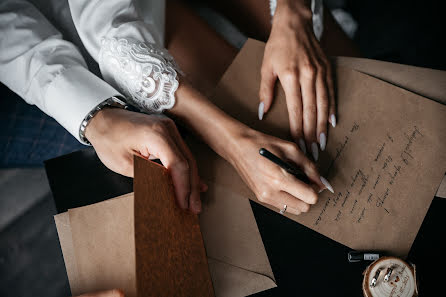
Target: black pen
[[356, 256], [284, 165]]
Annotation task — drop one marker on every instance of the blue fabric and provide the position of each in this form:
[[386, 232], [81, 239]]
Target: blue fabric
[[28, 136]]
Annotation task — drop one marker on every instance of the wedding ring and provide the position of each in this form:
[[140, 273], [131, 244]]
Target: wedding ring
[[282, 211]]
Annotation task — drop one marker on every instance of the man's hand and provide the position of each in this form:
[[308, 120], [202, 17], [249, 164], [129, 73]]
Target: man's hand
[[109, 293], [118, 134], [294, 56]]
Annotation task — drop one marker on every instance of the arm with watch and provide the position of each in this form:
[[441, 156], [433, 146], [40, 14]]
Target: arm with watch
[[132, 59]]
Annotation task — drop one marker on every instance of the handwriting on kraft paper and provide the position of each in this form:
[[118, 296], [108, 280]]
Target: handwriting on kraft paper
[[362, 193]]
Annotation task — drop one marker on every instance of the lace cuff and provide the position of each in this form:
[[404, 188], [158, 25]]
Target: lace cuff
[[145, 73], [318, 15]]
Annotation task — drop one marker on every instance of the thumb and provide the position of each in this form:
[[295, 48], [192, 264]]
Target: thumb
[[266, 91]]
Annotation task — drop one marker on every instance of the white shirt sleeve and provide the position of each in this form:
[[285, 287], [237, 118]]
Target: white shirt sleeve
[[128, 45], [45, 70]]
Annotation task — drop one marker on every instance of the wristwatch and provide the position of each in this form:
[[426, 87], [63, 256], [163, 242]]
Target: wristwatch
[[113, 102]]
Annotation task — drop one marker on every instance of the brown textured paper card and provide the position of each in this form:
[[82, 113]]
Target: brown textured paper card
[[170, 255], [385, 159], [237, 259]]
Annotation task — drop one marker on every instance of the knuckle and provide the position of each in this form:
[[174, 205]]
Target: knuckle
[[289, 75], [182, 165], [321, 69], [308, 70], [310, 108], [312, 197], [291, 147], [117, 293], [263, 196], [305, 208], [277, 181], [159, 128]]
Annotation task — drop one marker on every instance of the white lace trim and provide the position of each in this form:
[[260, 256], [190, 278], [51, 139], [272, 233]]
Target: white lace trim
[[318, 15], [145, 73]]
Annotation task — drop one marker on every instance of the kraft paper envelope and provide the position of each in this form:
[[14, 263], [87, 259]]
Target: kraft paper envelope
[[97, 242], [429, 83], [385, 159]]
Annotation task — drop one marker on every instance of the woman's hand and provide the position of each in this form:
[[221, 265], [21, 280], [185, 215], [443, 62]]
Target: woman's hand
[[294, 56], [118, 134], [270, 183]]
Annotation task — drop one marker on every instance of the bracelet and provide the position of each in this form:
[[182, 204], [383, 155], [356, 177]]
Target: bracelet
[[110, 102]]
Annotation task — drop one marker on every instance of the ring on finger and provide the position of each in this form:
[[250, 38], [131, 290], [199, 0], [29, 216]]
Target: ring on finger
[[283, 210]]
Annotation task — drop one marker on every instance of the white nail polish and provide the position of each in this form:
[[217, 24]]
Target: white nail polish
[[322, 141], [315, 151], [333, 120], [327, 184], [261, 109], [302, 145]]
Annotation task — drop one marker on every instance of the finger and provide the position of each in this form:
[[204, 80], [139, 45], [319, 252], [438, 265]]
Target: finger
[[298, 189], [266, 91], [109, 293], [329, 83], [178, 167], [293, 205], [332, 99], [307, 82], [300, 160], [203, 187], [293, 95], [322, 107], [194, 198]]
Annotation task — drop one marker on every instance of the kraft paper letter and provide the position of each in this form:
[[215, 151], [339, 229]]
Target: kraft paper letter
[[429, 83], [385, 158], [100, 253]]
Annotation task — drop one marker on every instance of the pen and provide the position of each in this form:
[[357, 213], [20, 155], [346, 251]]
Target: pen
[[356, 256], [284, 165]]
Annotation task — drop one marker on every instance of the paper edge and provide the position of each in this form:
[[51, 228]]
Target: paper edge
[[63, 228]]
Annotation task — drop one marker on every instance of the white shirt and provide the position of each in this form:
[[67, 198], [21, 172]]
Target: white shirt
[[50, 72]]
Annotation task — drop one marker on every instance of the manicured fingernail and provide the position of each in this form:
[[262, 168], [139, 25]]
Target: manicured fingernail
[[302, 145], [322, 141], [315, 151], [333, 120], [261, 109], [327, 184]]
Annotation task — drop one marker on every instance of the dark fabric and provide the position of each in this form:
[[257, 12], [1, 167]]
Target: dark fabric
[[28, 136]]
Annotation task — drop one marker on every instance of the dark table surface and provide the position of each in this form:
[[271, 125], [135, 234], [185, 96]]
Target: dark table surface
[[304, 262]]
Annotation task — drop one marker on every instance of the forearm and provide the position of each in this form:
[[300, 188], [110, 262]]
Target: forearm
[[207, 121], [44, 69]]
